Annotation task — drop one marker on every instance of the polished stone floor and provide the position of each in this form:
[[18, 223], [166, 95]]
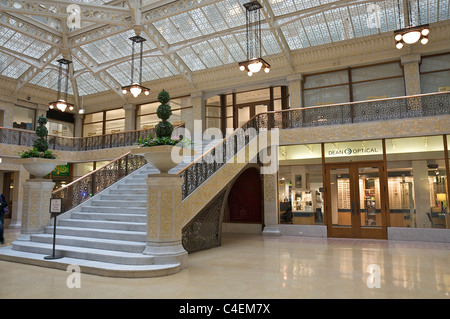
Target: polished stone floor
[[253, 266]]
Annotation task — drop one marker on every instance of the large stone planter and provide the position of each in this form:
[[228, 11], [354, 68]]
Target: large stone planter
[[40, 167], [163, 157]]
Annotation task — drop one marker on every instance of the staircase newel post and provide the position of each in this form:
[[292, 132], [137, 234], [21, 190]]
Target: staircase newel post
[[164, 220]]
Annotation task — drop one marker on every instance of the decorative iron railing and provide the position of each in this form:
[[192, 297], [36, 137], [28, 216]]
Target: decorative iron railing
[[80, 190], [75, 144], [433, 104]]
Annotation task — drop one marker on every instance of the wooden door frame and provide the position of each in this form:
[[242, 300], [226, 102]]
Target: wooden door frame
[[356, 230]]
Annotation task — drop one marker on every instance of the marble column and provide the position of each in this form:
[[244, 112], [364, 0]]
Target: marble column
[[35, 207], [421, 193], [271, 204], [130, 117], [164, 220], [411, 64], [295, 90]]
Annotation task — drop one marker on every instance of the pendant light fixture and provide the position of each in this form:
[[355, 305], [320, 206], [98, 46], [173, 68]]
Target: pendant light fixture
[[254, 61], [135, 88], [412, 33], [61, 101]]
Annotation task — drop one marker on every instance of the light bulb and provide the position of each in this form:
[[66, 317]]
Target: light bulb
[[255, 67], [124, 91], [425, 32], [399, 45], [398, 37], [61, 104], [242, 68], [411, 37], [267, 70], [71, 108], [250, 73], [424, 41], [135, 90], [146, 92]]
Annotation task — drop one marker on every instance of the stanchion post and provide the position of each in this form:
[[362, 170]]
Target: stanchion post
[[55, 210]]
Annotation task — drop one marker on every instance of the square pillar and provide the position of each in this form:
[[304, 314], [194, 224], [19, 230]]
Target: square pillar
[[295, 90], [164, 220], [411, 64], [35, 207]]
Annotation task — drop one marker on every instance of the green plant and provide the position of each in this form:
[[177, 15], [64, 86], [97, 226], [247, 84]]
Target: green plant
[[164, 128], [40, 145]]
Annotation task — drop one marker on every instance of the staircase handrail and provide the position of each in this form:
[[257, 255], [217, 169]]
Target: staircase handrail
[[83, 188]]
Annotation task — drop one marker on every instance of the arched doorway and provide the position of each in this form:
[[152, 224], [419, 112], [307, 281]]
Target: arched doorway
[[244, 199]]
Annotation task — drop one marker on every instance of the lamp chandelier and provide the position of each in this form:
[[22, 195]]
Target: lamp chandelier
[[135, 88], [61, 100], [412, 33], [254, 61]]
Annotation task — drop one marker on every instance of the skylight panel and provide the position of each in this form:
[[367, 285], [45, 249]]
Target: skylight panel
[[200, 20], [5, 35], [122, 74], [281, 7], [213, 15], [161, 67], [184, 24], [168, 31], [233, 12], [89, 84], [221, 51], [191, 59], [206, 53], [234, 48], [444, 10], [269, 43], [295, 36], [15, 69]]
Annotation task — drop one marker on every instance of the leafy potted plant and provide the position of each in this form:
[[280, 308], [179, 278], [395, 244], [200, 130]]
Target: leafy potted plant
[[164, 151], [39, 161]]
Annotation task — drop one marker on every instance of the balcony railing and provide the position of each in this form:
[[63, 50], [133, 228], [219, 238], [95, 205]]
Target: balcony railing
[[75, 144]]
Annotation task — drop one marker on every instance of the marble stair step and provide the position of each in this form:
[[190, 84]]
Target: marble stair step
[[91, 242], [125, 235], [135, 218], [101, 255], [111, 225]]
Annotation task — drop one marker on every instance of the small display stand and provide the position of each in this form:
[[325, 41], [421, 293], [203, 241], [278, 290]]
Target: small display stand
[[55, 210]]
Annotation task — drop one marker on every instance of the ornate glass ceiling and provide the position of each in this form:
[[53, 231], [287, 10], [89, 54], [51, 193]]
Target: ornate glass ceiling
[[183, 36]]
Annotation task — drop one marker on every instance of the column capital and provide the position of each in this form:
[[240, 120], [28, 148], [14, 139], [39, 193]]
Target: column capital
[[294, 77], [197, 94], [410, 58], [129, 106]]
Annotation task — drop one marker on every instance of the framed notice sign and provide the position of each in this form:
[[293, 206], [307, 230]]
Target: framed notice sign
[[55, 205]]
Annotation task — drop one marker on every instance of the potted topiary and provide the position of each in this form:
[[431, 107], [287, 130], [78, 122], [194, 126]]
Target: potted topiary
[[39, 161], [164, 151]]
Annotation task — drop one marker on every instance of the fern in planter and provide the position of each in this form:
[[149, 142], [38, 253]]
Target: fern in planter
[[40, 145]]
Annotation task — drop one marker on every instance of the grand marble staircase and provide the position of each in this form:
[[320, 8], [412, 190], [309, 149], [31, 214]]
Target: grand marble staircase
[[105, 235]]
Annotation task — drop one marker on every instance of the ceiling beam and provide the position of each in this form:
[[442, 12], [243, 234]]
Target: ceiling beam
[[58, 9]]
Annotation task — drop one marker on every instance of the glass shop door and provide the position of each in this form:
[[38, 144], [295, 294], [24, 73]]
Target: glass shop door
[[356, 200]]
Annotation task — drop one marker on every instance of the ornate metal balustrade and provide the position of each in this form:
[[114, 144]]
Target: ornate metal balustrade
[[75, 144], [76, 192], [433, 104]]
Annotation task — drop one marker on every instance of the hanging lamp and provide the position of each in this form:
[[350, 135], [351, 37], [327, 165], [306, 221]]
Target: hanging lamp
[[255, 62], [61, 100], [135, 88], [412, 33]]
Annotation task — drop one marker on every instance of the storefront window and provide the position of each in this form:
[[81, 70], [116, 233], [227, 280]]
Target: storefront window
[[301, 185], [416, 182], [24, 118]]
